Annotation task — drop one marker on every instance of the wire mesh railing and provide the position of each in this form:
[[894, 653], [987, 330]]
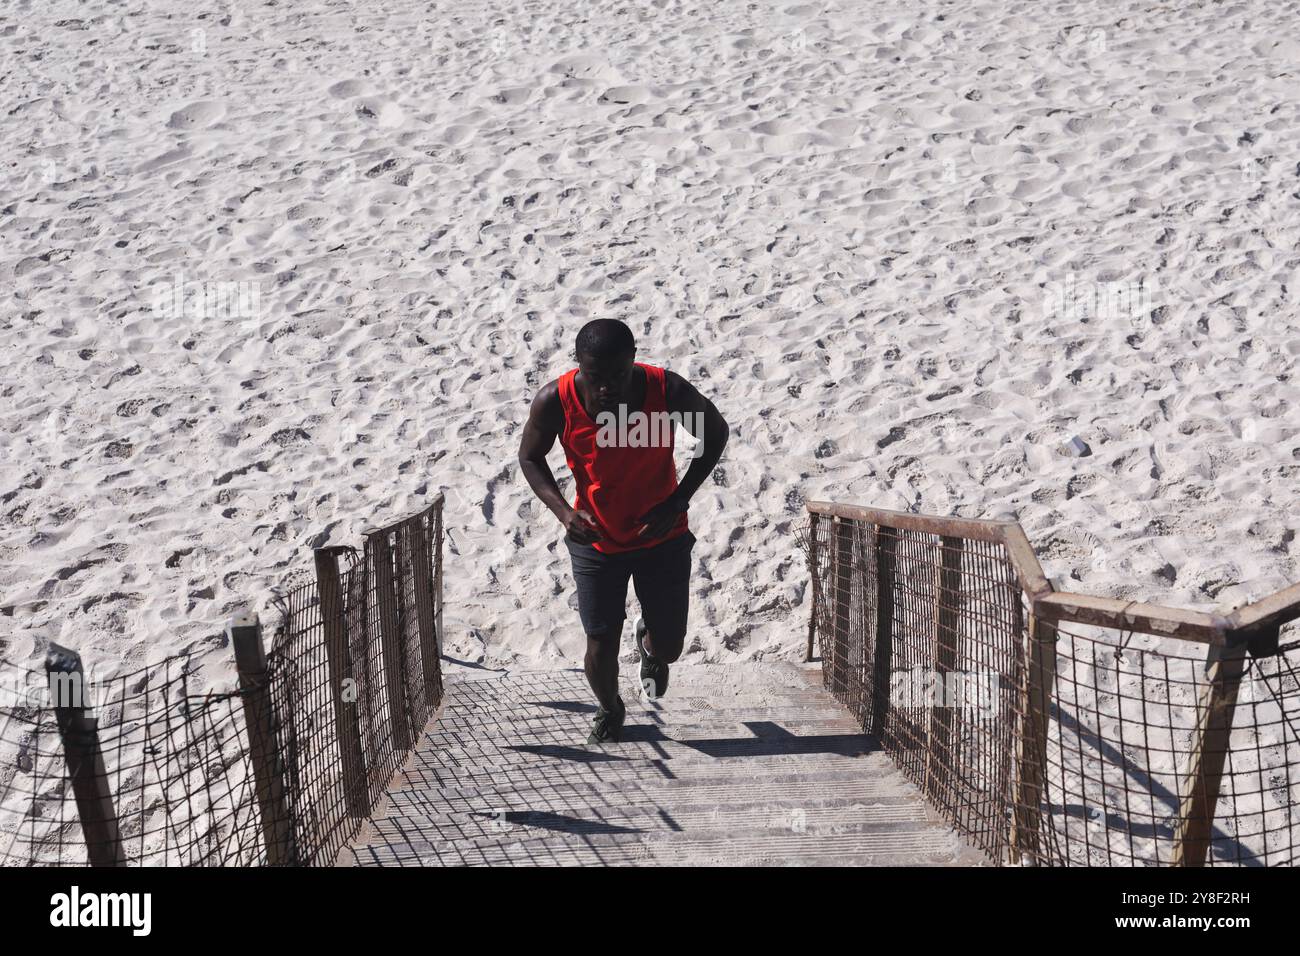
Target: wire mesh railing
[[1057, 729], [145, 768], [171, 756], [1128, 714]]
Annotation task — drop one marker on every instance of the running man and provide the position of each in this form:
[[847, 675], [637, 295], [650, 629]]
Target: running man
[[615, 419]]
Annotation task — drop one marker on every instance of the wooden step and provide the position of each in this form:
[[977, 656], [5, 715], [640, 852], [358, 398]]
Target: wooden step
[[744, 765]]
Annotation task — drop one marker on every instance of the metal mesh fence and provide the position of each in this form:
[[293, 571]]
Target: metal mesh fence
[[1041, 742], [173, 758], [344, 749], [909, 621], [146, 769], [1127, 713]]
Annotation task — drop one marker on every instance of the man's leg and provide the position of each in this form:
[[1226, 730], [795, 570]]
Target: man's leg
[[662, 578], [601, 665], [601, 581]]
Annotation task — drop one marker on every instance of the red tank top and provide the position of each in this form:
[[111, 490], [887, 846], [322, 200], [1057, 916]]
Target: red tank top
[[621, 476]]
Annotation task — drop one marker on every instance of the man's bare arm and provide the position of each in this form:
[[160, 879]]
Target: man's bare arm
[[545, 419], [698, 414], [685, 399]]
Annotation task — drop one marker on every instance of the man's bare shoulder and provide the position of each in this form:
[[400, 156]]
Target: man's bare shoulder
[[679, 393], [550, 392], [546, 406]]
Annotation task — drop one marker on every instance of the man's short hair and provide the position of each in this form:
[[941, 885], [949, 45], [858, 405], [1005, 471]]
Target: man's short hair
[[605, 338]]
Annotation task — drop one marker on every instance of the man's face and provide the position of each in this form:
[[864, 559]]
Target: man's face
[[607, 379]]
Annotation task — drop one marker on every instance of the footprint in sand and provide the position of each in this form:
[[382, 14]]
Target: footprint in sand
[[625, 96], [514, 96], [457, 134], [199, 115], [380, 112], [582, 66]]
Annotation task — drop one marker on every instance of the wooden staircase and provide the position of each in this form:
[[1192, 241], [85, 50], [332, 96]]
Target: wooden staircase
[[739, 764]]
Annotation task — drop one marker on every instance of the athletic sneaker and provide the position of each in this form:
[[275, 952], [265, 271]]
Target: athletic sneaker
[[608, 726], [654, 673]]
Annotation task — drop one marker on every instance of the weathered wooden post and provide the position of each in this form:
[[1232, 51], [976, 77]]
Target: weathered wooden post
[[947, 614], [339, 655], [245, 633], [842, 620], [437, 570], [864, 660], [424, 611], [86, 772], [1031, 741], [1199, 794], [381, 553], [1006, 783], [814, 582], [826, 626], [886, 541], [404, 594]]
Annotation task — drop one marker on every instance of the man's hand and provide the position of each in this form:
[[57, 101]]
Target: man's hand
[[581, 527], [659, 520]]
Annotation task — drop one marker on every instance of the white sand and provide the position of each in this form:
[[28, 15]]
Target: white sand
[[836, 219]]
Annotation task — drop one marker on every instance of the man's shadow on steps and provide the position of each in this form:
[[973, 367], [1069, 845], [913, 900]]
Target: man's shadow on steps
[[768, 740]]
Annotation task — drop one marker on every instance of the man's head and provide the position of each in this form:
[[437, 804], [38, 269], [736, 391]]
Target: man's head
[[606, 353]]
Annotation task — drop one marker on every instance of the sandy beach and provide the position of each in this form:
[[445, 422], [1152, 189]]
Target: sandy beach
[[272, 274]]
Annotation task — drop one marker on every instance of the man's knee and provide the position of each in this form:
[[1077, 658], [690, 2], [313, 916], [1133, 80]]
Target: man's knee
[[667, 643], [602, 643]]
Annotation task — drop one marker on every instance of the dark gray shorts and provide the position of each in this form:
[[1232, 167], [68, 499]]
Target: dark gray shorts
[[661, 576]]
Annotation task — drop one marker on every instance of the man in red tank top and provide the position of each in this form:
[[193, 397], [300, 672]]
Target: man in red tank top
[[615, 419]]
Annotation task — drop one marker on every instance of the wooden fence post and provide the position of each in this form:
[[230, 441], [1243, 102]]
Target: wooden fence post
[[407, 614], [886, 542], [1031, 741], [381, 553], [813, 583], [85, 759], [437, 572], [1006, 783], [947, 614], [842, 622], [865, 657], [424, 611], [339, 654], [1200, 789], [245, 633]]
